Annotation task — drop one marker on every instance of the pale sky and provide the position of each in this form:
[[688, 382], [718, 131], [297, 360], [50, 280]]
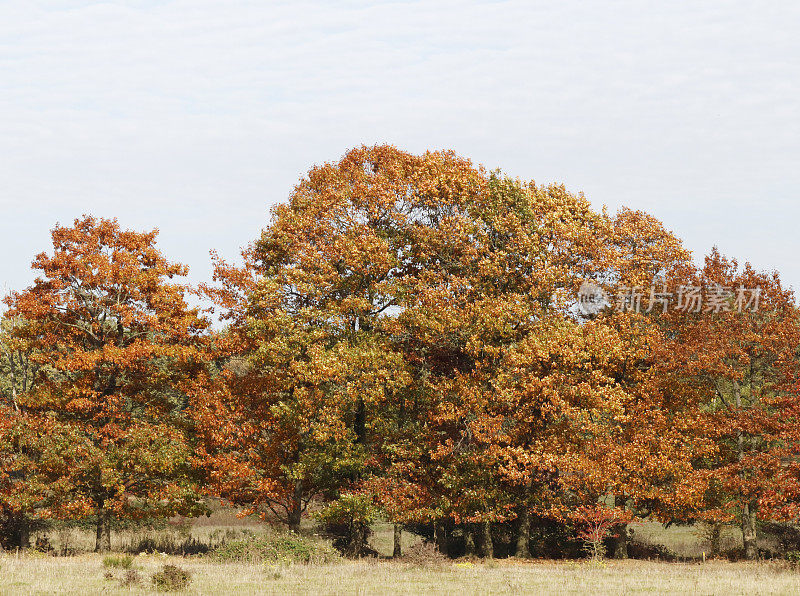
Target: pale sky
[[195, 116]]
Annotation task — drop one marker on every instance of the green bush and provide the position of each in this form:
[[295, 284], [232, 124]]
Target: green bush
[[118, 561], [348, 521], [171, 578], [276, 548], [793, 557]]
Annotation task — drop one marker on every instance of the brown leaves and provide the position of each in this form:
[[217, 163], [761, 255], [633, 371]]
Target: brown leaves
[[114, 341]]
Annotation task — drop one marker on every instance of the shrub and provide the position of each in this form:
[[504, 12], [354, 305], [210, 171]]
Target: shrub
[[277, 548], [786, 536], [166, 543], [347, 520], [171, 578], [118, 561], [596, 524], [131, 578], [15, 529], [710, 535], [643, 550], [554, 539], [793, 557], [43, 545], [424, 554], [735, 554]]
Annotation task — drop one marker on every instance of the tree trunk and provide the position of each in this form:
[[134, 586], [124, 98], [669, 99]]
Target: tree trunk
[[103, 541], [24, 532], [469, 541], [749, 531], [621, 541], [524, 534], [360, 422], [398, 546], [356, 539], [715, 539], [620, 532], [14, 400], [487, 547], [749, 508], [296, 511], [440, 538]]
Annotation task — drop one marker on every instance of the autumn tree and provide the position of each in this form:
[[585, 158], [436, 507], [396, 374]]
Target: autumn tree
[[115, 342], [534, 410], [18, 372], [643, 455], [311, 312], [736, 353], [406, 325], [406, 328], [499, 277]]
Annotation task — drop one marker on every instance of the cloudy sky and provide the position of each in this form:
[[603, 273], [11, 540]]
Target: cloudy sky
[[194, 116]]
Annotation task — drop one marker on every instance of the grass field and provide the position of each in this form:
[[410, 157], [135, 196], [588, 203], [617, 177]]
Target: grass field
[[84, 574]]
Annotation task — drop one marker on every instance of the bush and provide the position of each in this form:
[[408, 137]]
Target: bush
[[710, 535], [735, 554], [171, 578], [42, 545], [277, 548], [553, 539], [347, 520], [793, 557], [118, 561], [642, 550], [424, 554], [786, 536], [131, 578], [166, 543], [16, 529], [596, 524]]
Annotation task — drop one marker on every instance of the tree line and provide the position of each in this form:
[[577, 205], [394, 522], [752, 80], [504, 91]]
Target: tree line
[[402, 342]]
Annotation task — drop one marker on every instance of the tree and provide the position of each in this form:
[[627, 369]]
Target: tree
[[17, 374], [642, 456], [739, 359], [312, 312], [116, 343], [531, 410]]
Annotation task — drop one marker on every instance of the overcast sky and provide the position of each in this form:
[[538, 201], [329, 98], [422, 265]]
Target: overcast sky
[[194, 116]]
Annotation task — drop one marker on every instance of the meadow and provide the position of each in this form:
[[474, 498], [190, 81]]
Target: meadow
[[84, 572]]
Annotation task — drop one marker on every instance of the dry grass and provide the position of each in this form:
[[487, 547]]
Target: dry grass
[[85, 575], [223, 524]]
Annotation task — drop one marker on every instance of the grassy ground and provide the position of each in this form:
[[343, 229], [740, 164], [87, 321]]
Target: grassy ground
[[85, 575], [685, 541]]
